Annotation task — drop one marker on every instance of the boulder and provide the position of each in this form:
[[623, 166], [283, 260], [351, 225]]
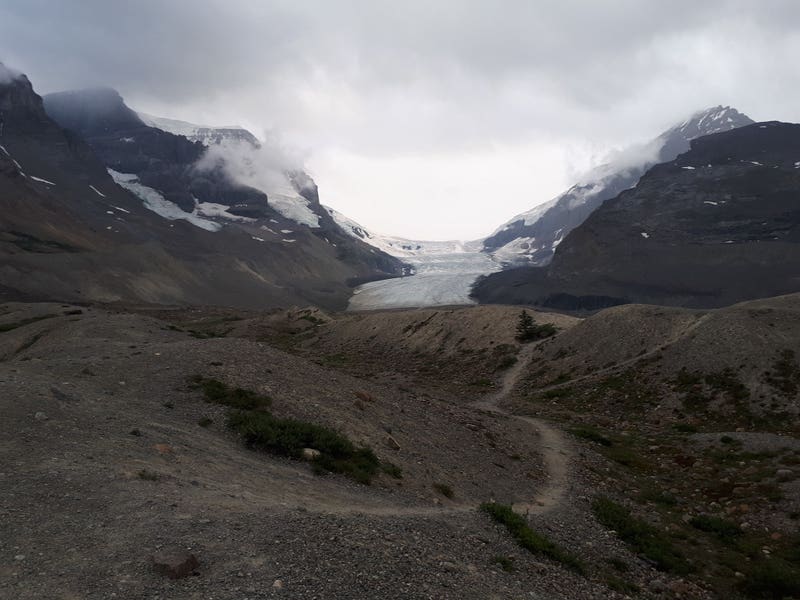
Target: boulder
[[310, 454], [174, 563]]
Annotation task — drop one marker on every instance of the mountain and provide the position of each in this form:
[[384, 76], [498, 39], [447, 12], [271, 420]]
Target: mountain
[[402, 247], [718, 225], [532, 237], [101, 207], [205, 134]]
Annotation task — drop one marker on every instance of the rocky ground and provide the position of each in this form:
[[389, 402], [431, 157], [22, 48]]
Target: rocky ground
[[109, 458]]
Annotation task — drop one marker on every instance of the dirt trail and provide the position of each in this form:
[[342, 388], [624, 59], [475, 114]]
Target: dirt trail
[[554, 448]]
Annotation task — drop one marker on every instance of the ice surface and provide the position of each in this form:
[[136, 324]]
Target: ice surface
[[154, 201], [440, 280]]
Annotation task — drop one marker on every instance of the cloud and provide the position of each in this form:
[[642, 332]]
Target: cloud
[[7, 74], [449, 83], [270, 168]]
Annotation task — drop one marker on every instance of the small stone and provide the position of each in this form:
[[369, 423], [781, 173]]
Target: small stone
[[277, 585], [449, 567], [174, 563], [311, 454], [392, 443], [19, 557], [40, 416]]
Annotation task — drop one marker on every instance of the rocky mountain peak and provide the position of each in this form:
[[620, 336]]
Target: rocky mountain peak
[[19, 104], [92, 111], [711, 120]]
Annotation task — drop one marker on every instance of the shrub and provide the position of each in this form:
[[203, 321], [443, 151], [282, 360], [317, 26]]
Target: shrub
[[527, 538], [506, 362], [444, 489], [391, 469], [658, 497], [219, 393], [642, 537], [205, 422], [773, 578], [288, 437], [685, 428], [506, 563], [528, 330], [148, 475], [722, 528], [591, 434]]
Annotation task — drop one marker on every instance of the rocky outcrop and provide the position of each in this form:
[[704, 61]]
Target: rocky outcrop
[[531, 238], [718, 225]]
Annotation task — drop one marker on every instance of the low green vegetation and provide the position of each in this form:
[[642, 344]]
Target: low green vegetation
[[505, 562], [723, 529], [261, 430], [659, 497], [146, 475], [775, 578], [444, 489], [217, 392], [640, 536], [528, 330], [391, 469], [590, 433], [527, 538], [785, 374], [699, 389], [288, 437], [613, 448]]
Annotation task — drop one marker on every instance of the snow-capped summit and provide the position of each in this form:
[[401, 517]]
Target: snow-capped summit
[[532, 236], [205, 134]]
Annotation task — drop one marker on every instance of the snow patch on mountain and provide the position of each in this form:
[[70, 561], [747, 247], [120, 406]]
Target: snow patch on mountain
[[621, 170], [266, 169], [212, 209], [205, 134], [154, 201]]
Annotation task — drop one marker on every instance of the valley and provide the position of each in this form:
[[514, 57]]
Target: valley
[[213, 386], [622, 419]]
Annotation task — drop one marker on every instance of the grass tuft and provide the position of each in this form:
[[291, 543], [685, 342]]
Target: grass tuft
[[527, 538], [288, 437], [642, 537], [219, 393], [444, 489]]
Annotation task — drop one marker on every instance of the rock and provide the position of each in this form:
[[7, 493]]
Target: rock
[[277, 585], [40, 416], [392, 443], [163, 448], [19, 557], [784, 474], [311, 454], [174, 563]]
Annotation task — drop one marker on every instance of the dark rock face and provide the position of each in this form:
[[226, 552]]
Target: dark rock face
[[718, 225], [69, 232], [161, 160], [167, 162], [569, 210]]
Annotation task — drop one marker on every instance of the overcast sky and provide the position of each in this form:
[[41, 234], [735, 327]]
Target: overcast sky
[[432, 119]]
